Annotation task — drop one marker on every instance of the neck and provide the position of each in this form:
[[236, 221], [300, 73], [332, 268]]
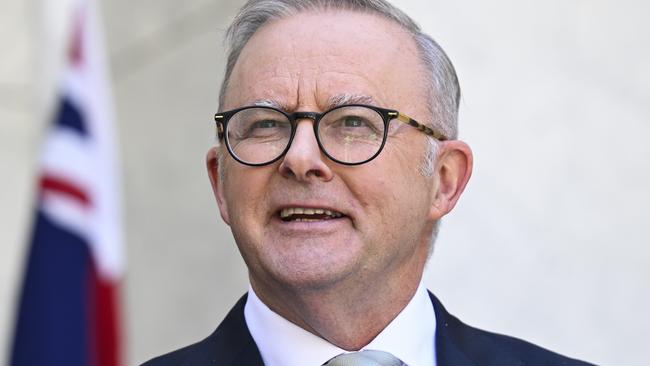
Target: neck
[[348, 314]]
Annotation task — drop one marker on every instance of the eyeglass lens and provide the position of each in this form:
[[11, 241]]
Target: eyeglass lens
[[349, 134]]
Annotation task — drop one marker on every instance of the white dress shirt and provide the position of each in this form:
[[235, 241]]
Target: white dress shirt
[[409, 337]]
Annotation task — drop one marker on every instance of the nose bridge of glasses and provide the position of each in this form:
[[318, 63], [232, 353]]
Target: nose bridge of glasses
[[305, 139], [305, 115], [297, 117]]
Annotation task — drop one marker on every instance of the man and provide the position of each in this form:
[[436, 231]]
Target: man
[[337, 158]]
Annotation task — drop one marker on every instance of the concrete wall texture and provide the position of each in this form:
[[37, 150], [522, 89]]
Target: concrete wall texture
[[549, 242]]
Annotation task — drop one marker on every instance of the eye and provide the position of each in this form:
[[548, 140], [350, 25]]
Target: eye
[[356, 124], [267, 129], [353, 121], [258, 125], [264, 124]]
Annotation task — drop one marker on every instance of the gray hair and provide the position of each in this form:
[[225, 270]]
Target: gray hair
[[443, 88]]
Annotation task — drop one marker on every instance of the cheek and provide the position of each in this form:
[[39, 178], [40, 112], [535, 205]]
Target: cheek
[[244, 208], [245, 195], [378, 201], [392, 222], [393, 191]]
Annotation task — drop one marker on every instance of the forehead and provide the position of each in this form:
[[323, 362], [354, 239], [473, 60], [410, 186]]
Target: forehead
[[306, 60]]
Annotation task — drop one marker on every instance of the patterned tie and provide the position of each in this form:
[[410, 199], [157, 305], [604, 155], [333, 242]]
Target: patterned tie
[[365, 358]]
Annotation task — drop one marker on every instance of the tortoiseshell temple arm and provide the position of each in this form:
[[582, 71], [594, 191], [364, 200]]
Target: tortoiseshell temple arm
[[411, 122]]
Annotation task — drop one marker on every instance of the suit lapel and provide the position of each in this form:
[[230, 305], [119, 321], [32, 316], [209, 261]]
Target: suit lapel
[[458, 344], [231, 344], [449, 351]]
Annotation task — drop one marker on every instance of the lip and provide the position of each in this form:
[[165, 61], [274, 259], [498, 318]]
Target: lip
[[326, 225], [311, 225], [329, 207]]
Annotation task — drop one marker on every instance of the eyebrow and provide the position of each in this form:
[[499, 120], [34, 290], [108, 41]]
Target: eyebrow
[[332, 102], [268, 103], [344, 99]]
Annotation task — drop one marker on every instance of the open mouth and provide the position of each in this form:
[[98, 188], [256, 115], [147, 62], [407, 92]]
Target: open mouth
[[300, 214]]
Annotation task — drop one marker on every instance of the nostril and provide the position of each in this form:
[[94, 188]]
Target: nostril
[[286, 171], [304, 167]]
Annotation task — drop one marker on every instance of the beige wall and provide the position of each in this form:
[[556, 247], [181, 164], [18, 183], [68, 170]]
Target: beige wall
[[549, 242]]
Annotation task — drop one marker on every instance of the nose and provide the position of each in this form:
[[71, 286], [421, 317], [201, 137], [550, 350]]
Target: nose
[[304, 160]]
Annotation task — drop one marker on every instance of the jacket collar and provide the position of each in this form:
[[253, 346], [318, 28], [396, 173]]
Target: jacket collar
[[459, 344], [229, 345], [456, 343]]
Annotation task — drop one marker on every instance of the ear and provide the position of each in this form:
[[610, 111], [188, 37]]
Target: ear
[[453, 170], [212, 163]]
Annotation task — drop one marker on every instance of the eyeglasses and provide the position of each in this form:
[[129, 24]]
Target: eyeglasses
[[351, 134]]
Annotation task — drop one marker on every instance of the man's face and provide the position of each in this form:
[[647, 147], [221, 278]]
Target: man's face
[[303, 63]]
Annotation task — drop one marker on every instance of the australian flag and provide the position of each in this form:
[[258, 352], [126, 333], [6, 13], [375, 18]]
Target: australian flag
[[68, 311]]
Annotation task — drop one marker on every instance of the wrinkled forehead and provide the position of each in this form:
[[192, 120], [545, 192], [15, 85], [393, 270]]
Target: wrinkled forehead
[[309, 58]]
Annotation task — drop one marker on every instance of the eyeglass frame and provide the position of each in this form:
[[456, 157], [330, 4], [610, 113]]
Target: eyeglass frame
[[387, 115]]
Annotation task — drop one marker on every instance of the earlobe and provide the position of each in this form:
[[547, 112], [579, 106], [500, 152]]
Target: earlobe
[[453, 170], [212, 164]]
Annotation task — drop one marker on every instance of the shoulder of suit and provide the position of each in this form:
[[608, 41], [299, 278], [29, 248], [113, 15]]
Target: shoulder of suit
[[200, 353], [228, 343], [487, 348], [174, 358]]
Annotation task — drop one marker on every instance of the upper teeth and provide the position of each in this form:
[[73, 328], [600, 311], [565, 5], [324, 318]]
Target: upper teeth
[[286, 212]]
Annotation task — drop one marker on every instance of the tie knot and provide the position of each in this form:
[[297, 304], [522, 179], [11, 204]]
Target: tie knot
[[365, 358]]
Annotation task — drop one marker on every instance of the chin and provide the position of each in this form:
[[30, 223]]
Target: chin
[[306, 263], [305, 275]]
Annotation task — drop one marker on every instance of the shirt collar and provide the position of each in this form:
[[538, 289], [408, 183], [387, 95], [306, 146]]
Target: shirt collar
[[409, 337]]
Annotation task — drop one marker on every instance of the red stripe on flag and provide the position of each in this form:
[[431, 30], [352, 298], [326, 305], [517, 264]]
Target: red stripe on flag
[[104, 322], [53, 184]]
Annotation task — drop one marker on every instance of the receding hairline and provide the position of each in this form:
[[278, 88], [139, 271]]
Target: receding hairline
[[334, 100]]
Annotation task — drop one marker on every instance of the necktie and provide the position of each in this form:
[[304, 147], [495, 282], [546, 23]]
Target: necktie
[[365, 358]]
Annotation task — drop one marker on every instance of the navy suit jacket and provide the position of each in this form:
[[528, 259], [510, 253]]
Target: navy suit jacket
[[457, 344]]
